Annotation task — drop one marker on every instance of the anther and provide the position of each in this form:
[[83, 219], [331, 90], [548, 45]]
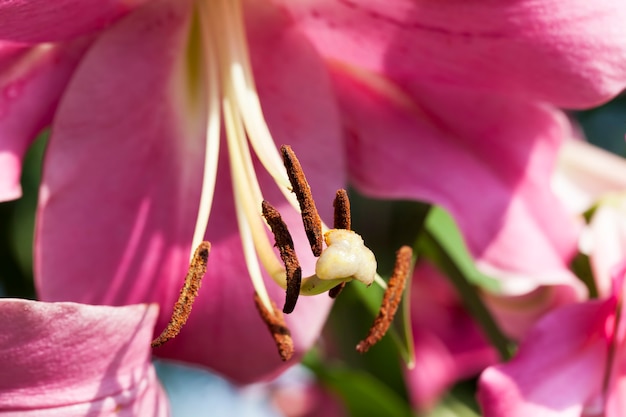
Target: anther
[[284, 243], [300, 186], [335, 291], [342, 210], [275, 322], [342, 220], [188, 293], [391, 299]]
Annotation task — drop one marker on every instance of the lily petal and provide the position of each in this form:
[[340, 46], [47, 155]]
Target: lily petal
[[33, 21], [32, 80], [570, 53], [123, 181], [569, 344], [66, 359], [453, 146], [517, 314]]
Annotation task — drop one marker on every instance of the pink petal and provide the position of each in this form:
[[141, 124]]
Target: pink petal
[[571, 53], [516, 315], [32, 80], [68, 359], [558, 370], [616, 396], [122, 183], [486, 159], [434, 372], [44, 21]]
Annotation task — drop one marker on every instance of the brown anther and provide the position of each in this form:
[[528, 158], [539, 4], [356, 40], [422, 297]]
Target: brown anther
[[342, 220], [188, 293], [342, 210], [285, 246], [391, 299], [300, 186], [335, 291], [275, 322]]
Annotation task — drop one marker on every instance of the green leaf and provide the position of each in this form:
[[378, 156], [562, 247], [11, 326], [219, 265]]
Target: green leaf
[[438, 246], [444, 229]]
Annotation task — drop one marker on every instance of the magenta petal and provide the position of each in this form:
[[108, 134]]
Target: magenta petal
[[45, 21], [32, 80], [517, 314], [559, 369], [119, 177], [67, 359], [486, 159], [121, 185], [571, 53]]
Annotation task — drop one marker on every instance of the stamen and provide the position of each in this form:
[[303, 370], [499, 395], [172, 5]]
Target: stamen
[[188, 293], [335, 291], [245, 189], [310, 217], [342, 210], [342, 221], [212, 146], [284, 243], [391, 299], [275, 322], [240, 70]]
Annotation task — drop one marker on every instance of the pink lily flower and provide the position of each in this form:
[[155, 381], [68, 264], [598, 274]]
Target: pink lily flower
[[571, 364], [449, 345], [414, 100], [585, 176], [67, 359]]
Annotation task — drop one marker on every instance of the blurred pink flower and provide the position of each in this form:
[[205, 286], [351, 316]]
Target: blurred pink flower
[[585, 177], [449, 345], [590, 177], [572, 363], [66, 359], [448, 102]]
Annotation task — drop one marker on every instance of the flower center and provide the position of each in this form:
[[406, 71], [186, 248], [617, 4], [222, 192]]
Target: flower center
[[232, 98]]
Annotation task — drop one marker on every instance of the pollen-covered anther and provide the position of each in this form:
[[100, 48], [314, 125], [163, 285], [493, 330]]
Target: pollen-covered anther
[[391, 299], [346, 257], [285, 246], [275, 322], [342, 220], [310, 217], [188, 293], [341, 205]]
